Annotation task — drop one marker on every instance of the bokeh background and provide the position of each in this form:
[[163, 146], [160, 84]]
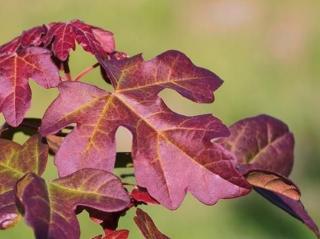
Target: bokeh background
[[267, 52]]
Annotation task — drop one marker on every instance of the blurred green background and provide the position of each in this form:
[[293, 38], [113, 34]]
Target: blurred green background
[[268, 54]]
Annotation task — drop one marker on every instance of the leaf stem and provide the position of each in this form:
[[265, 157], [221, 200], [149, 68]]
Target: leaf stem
[[86, 71], [66, 70]]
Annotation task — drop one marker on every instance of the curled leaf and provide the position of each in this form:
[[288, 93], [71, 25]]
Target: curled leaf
[[15, 161], [172, 153], [294, 207], [262, 142], [50, 207], [147, 227], [275, 183], [283, 193], [141, 195], [264, 148]]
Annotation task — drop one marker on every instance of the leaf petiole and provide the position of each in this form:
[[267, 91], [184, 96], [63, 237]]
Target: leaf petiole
[[66, 70], [86, 71]]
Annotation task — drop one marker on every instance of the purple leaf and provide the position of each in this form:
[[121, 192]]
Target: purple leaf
[[147, 227], [264, 148], [172, 153], [15, 161], [15, 71], [50, 207], [262, 142]]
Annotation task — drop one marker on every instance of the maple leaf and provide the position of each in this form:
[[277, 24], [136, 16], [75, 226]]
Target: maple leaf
[[15, 161], [15, 70], [264, 148], [172, 153], [261, 142], [49, 207], [147, 227], [63, 37]]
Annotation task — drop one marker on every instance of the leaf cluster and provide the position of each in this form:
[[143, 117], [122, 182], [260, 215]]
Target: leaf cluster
[[172, 154]]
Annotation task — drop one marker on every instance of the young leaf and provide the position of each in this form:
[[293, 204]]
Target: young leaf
[[141, 195], [172, 153], [262, 142], [15, 70], [49, 207], [147, 227], [15, 161], [283, 193], [64, 35]]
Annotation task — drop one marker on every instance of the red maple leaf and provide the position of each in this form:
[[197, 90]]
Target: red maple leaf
[[172, 153], [64, 36]]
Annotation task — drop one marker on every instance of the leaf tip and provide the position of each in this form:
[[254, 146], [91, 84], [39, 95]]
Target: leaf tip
[[8, 220]]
